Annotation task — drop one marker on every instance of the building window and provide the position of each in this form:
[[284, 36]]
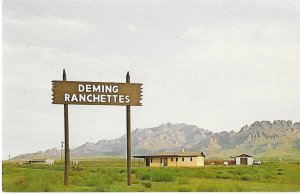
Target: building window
[[176, 159], [151, 160], [182, 159], [172, 159], [191, 158], [160, 160]]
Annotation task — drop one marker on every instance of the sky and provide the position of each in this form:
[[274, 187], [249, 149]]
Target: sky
[[219, 65]]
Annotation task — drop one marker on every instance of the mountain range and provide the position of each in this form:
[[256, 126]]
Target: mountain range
[[263, 139]]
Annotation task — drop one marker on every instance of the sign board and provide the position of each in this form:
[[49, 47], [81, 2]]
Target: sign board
[[96, 93]]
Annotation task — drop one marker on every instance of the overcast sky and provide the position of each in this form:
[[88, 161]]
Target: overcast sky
[[216, 64]]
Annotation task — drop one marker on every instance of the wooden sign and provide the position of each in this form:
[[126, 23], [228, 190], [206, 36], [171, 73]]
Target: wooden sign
[[96, 93]]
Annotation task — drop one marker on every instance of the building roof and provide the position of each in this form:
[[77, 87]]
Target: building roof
[[37, 160], [244, 155], [172, 154]]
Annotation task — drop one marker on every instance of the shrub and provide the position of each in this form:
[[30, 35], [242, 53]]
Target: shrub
[[77, 180], [147, 184], [135, 181], [94, 180], [122, 171], [161, 175], [225, 176], [145, 176], [48, 187], [76, 168], [101, 188], [209, 175], [183, 181], [21, 180], [245, 177], [184, 189], [279, 173], [91, 181], [117, 177], [132, 171], [239, 188], [209, 188]]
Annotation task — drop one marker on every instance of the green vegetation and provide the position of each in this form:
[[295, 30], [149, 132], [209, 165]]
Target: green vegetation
[[109, 175]]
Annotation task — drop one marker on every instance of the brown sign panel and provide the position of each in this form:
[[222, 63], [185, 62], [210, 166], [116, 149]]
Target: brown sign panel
[[96, 93]]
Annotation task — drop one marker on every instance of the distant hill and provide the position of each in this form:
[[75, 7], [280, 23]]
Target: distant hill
[[277, 140]]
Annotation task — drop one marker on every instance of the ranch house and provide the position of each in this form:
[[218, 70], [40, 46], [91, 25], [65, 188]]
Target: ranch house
[[182, 159], [243, 159], [41, 161]]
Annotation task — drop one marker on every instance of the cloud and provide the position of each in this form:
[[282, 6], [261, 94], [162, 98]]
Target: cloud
[[233, 62], [45, 30]]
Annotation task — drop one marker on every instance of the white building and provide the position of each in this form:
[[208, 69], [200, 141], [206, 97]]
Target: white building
[[41, 161], [243, 159], [49, 162], [181, 159]]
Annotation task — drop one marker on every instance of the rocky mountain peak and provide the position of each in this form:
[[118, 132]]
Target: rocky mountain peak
[[244, 129], [283, 123], [256, 139]]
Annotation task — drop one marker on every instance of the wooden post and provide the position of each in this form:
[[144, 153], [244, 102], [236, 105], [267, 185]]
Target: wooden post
[[67, 149], [128, 138]]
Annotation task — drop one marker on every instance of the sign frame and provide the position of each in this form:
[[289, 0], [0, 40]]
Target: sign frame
[[136, 95], [96, 93]]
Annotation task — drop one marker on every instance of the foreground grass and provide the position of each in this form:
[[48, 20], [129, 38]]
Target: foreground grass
[[110, 175]]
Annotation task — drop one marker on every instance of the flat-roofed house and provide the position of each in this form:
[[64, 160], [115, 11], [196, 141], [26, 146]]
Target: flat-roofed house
[[181, 159], [41, 161]]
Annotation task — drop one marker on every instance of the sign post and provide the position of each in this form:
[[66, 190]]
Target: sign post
[[96, 93], [128, 124], [67, 149]]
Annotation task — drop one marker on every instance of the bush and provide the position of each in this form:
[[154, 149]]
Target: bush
[[48, 187], [225, 176], [183, 181], [122, 171], [117, 177], [135, 181], [147, 184], [245, 177], [94, 180], [76, 168], [101, 188], [91, 181], [145, 176], [77, 180], [184, 189], [161, 175], [209, 175], [207, 188], [239, 188], [21, 180]]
